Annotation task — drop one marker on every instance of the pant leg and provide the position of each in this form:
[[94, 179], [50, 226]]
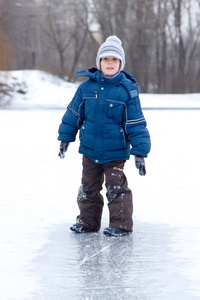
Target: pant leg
[[90, 201], [119, 196]]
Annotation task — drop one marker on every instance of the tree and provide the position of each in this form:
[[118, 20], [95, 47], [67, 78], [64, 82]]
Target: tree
[[6, 52], [132, 22], [55, 23], [65, 25], [184, 32], [20, 26], [161, 43]]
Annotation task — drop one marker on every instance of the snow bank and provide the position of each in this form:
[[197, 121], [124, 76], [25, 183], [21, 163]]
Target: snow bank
[[35, 89]]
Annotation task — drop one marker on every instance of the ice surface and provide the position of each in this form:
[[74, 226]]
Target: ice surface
[[42, 259], [144, 265]]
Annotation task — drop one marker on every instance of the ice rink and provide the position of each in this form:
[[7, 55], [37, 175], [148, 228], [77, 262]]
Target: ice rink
[[41, 259]]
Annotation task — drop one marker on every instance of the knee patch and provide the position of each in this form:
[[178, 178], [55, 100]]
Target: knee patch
[[81, 193]]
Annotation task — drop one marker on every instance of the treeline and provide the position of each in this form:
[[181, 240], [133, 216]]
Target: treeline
[[161, 38]]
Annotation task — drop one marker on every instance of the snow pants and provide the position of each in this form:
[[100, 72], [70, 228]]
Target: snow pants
[[119, 196]]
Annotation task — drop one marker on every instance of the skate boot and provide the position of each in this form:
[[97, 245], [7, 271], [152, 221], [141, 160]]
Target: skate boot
[[81, 229], [112, 231]]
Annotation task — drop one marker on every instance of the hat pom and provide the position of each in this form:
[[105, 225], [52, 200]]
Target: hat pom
[[115, 39]]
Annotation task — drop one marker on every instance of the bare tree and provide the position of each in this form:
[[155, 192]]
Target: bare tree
[[81, 18], [161, 17], [55, 23], [66, 27], [111, 16], [185, 35], [6, 52], [132, 22], [6, 49], [19, 26]]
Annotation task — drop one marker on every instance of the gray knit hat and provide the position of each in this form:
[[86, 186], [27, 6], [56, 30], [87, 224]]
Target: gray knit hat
[[111, 47]]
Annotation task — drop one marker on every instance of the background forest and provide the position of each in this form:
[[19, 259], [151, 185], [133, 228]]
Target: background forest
[[161, 38]]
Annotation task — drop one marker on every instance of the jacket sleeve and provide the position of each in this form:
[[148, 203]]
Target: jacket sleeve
[[135, 127], [72, 119]]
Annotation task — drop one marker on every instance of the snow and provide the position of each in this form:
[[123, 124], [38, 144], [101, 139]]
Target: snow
[[41, 258], [41, 90]]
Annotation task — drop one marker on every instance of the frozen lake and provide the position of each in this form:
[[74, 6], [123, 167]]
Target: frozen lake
[[42, 259], [146, 265]]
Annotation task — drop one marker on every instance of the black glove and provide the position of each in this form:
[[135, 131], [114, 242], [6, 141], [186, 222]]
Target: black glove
[[63, 149], [140, 164]]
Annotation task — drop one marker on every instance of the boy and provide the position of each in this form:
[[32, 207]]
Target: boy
[[106, 110]]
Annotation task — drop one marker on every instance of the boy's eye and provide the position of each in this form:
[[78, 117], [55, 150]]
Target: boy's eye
[[114, 59]]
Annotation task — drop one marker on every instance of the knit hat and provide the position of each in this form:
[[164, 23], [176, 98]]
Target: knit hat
[[111, 47]]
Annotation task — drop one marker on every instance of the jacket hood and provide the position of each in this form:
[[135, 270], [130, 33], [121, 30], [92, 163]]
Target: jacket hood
[[130, 77], [124, 78], [90, 73]]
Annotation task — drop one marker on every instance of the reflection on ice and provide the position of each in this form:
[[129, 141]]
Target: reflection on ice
[[145, 265]]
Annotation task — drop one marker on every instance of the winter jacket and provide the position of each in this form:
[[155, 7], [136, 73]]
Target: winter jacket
[[109, 118]]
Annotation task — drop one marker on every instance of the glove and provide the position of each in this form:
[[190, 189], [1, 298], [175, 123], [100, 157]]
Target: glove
[[140, 164], [63, 149]]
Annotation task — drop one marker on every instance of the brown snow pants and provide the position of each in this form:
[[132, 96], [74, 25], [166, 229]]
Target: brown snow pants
[[119, 196]]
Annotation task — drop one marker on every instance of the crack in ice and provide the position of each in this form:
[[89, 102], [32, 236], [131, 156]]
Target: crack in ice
[[95, 254], [85, 259]]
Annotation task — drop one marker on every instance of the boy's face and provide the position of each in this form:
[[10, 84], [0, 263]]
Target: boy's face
[[110, 65]]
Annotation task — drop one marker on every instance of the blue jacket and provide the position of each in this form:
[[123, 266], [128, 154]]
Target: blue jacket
[[109, 118]]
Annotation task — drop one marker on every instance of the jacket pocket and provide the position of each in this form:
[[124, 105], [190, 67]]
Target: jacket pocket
[[123, 137], [116, 139], [90, 95], [90, 99], [115, 111], [86, 136]]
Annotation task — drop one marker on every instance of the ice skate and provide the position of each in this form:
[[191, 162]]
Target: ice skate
[[112, 231], [81, 229]]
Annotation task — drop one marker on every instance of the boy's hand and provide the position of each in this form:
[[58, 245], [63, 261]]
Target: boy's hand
[[63, 149], [140, 164]]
